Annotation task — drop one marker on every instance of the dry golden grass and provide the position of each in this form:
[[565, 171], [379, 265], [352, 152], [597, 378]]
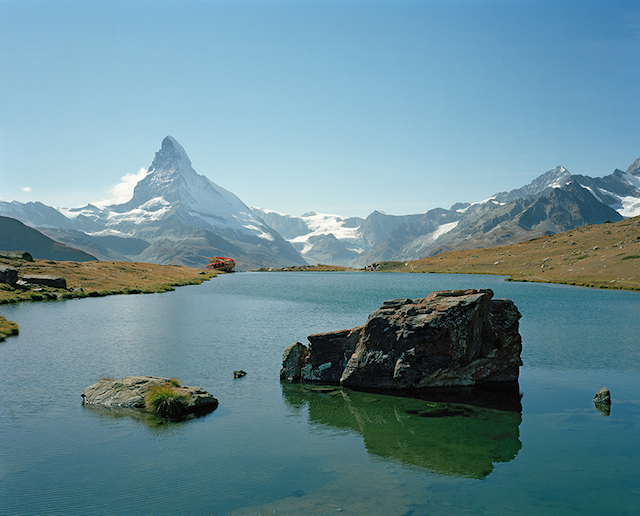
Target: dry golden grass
[[7, 328], [603, 256], [101, 278]]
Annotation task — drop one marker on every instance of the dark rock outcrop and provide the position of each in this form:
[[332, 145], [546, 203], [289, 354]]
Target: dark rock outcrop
[[8, 275], [45, 280], [451, 338], [16, 255], [130, 392]]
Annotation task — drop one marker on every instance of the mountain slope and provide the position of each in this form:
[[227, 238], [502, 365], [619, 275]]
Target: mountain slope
[[185, 218], [599, 255], [16, 236]]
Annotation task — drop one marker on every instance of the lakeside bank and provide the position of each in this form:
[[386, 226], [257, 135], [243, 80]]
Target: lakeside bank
[[95, 279]]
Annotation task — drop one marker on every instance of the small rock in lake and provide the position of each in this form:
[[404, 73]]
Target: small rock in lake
[[602, 401], [603, 396], [239, 374]]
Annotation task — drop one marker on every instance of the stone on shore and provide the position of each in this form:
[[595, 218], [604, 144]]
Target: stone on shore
[[16, 255], [8, 275], [45, 280], [450, 338], [129, 392]]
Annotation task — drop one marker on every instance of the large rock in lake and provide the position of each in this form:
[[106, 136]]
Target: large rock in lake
[[451, 338], [130, 392]]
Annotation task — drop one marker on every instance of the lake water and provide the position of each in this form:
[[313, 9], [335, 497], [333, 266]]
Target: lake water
[[282, 449]]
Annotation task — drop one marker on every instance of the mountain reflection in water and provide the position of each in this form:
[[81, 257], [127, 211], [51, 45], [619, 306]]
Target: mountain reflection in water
[[446, 438]]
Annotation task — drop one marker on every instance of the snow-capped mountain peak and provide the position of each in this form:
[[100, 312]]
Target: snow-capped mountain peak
[[170, 155], [174, 216], [557, 177], [634, 168]]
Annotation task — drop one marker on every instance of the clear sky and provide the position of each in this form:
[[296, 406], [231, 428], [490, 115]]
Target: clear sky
[[343, 107]]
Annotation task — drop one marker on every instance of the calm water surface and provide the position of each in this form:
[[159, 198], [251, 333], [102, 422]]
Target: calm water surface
[[290, 449]]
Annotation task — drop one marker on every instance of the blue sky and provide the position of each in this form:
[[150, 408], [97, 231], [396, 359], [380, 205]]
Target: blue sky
[[339, 107]]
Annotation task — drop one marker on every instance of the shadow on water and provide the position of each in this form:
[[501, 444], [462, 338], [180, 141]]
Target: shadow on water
[[444, 437]]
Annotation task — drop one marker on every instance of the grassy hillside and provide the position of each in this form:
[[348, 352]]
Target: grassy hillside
[[604, 255], [7, 328]]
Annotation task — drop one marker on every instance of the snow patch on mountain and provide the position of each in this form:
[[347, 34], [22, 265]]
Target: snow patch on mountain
[[592, 192], [491, 200], [444, 229], [319, 224], [323, 224], [629, 205]]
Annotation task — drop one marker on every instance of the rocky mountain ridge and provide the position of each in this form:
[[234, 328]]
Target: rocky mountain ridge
[[177, 216], [555, 201]]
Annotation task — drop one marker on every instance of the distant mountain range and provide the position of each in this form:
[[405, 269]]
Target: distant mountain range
[[177, 216], [555, 201]]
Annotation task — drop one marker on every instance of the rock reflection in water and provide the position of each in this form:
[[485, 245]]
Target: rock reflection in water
[[141, 416], [447, 438]]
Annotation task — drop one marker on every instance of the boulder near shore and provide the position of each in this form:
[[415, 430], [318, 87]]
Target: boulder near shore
[[450, 338]]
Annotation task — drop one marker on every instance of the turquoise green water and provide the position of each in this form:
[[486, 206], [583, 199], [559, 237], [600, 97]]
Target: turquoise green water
[[291, 449]]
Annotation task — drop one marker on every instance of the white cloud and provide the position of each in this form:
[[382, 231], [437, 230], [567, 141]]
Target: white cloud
[[26, 189], [123, 191]]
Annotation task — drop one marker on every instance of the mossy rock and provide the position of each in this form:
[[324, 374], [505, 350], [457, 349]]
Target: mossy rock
[[162, 396]]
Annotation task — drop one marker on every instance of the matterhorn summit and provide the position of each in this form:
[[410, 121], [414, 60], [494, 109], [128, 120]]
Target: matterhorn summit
[[176, 216], [186, 218], [173, 188], [172, 179]]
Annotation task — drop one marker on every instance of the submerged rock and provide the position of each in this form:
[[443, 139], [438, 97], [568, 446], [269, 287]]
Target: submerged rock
[[130, 392], [450, 338]]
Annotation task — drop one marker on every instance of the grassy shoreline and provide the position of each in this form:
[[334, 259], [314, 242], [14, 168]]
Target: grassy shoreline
[[95, 279]]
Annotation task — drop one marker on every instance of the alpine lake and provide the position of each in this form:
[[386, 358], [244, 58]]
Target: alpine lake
[[291, 449]]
